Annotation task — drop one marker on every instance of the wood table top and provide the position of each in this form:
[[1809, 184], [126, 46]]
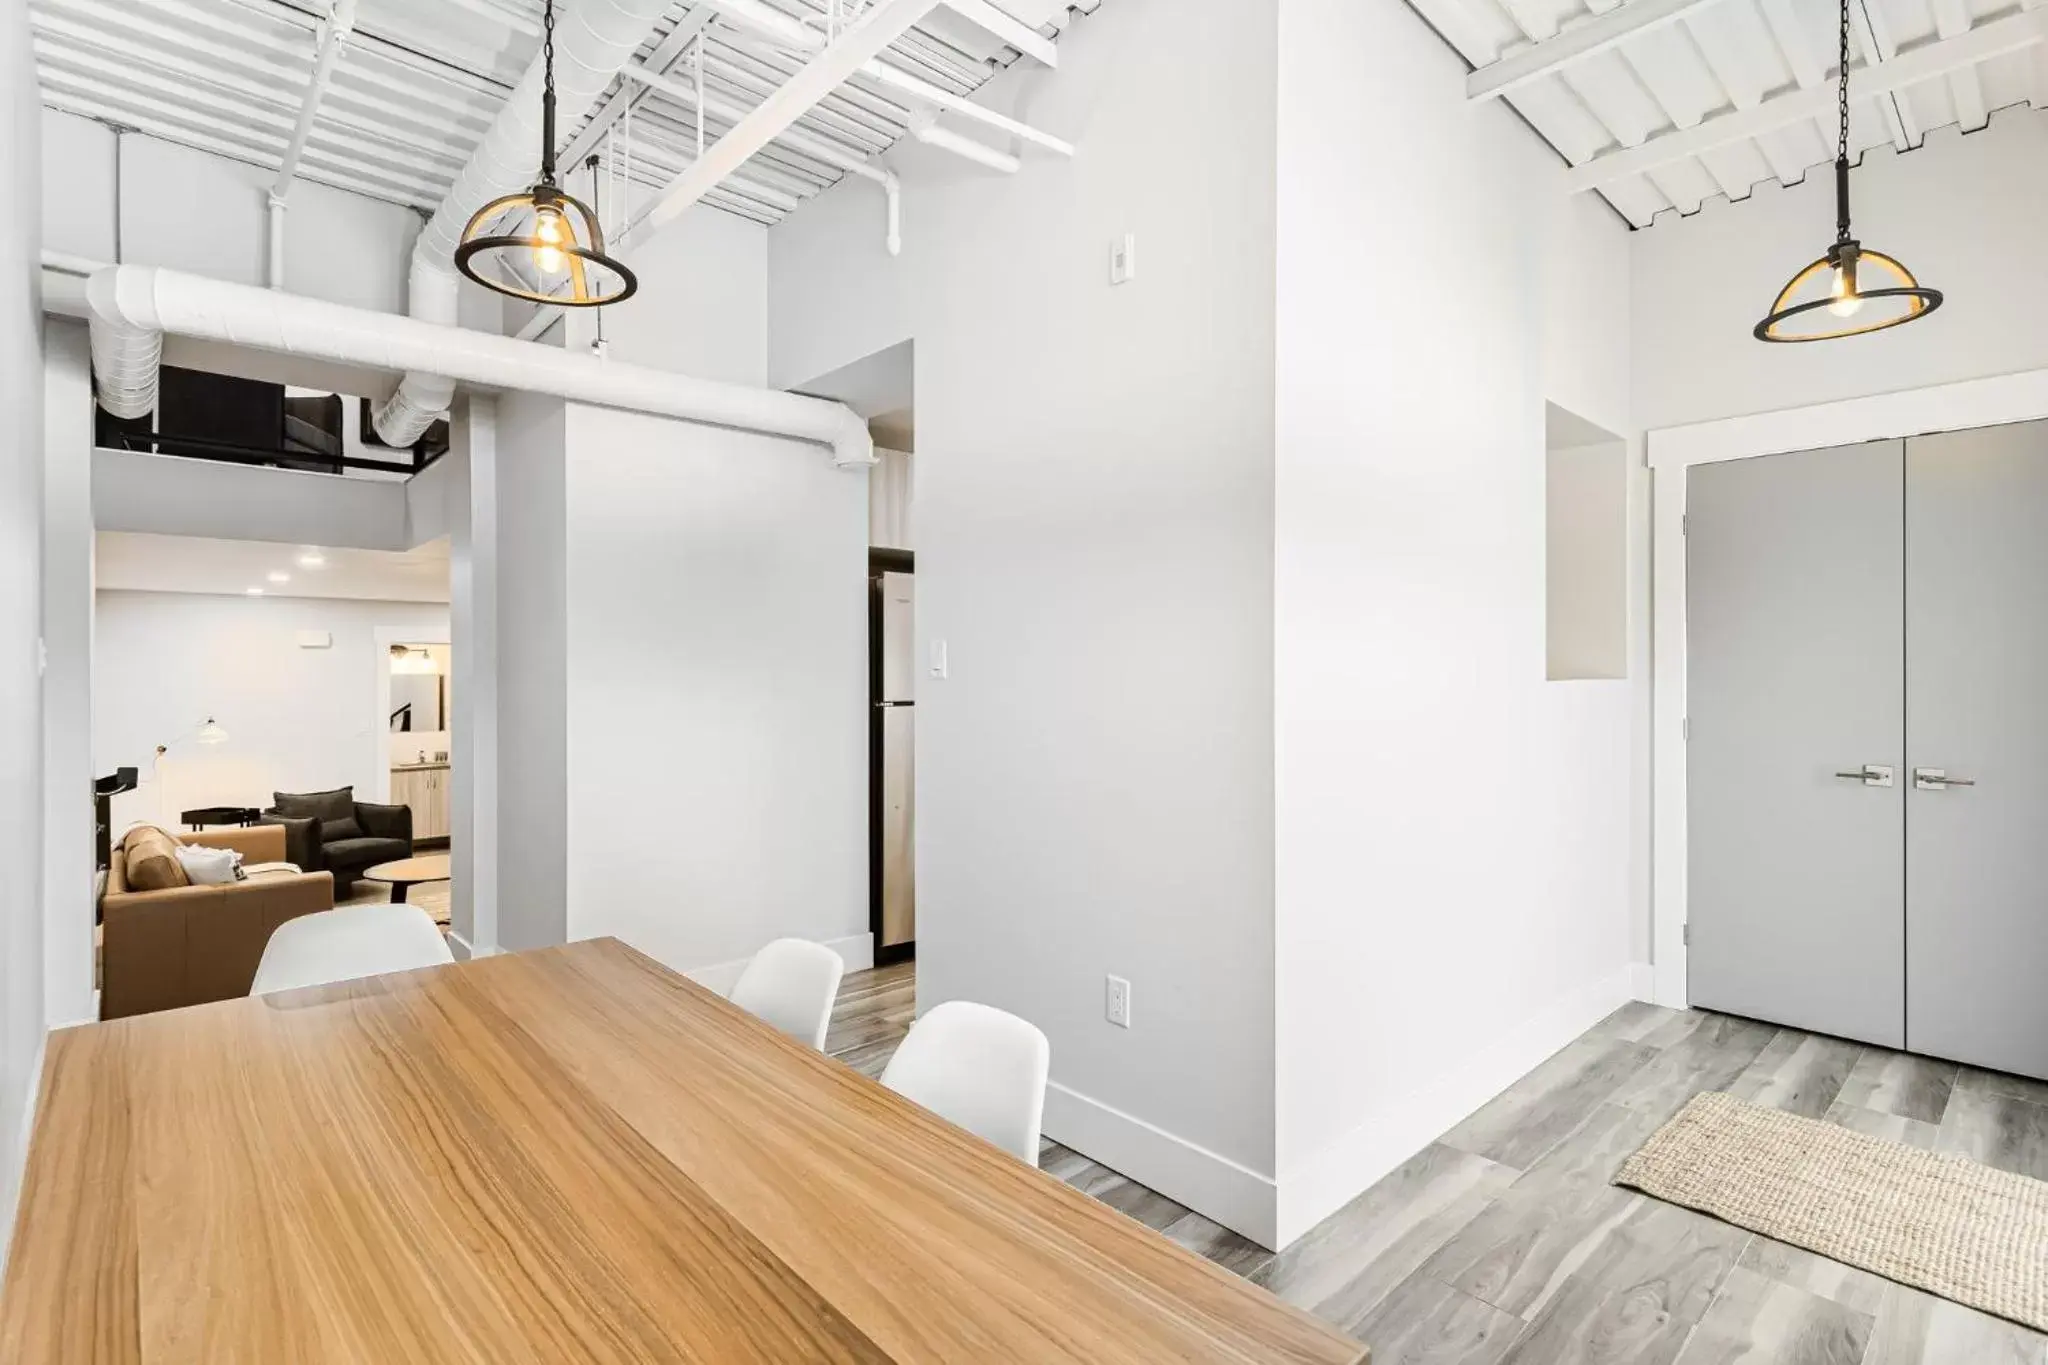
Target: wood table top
[[426, 867], [565, 1155]]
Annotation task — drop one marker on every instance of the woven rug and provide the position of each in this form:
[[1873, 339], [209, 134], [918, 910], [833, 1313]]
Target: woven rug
[[1942, 1223]]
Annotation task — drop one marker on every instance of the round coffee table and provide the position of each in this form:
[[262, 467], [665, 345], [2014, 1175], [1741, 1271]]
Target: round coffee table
[[407, 873]]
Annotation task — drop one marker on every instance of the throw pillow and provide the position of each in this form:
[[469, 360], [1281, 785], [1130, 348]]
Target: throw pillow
[[210, 866], [335, 810], [152, 861]]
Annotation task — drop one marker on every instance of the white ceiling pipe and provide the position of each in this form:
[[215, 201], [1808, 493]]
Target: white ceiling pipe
[[795, 139], [881, 24], [133, 306], [334, 35], [931, 135], [773, 23], [593, 39]]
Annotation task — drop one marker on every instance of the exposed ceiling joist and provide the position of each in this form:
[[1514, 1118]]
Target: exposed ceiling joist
[[1026, 40], [1574, 44], [2014, 33], [882, 24]]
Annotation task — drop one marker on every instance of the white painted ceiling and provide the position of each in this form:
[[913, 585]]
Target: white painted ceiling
[[422, 80], [1713, 97], [142, 562]]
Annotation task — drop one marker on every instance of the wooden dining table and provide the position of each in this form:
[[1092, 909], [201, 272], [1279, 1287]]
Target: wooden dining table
[[566, 1155]]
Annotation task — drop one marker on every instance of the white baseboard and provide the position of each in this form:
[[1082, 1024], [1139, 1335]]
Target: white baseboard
[[1236, 1196], [857, 950], [1642, 982], [1312, 1190], [17, 1160], [464, 950]]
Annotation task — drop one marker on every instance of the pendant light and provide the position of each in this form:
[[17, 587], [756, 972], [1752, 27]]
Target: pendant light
[[1831, 298], [543, 244]]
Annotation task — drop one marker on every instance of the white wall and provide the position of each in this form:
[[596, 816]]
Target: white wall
[[297, 719], [169, 495], [702, 308], [1966, 213], [473, 618], [533, 672], [69, 861], [22, 1018], [1094, 540], [717, 690], [1453, 832], [195, 211]]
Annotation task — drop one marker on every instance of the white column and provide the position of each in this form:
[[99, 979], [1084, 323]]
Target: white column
[[473, 586], [67, 675]]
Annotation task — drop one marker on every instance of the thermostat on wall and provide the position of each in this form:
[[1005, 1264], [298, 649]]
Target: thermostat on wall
[[316, 639]]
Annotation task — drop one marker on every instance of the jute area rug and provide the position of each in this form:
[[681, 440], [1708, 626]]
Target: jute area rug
[[1937, 1222]]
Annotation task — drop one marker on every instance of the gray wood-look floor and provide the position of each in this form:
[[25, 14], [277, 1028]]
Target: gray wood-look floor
[[1502, 1243]]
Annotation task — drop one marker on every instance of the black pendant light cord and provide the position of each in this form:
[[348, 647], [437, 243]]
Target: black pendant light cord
[[1842, 137], [547, 98]]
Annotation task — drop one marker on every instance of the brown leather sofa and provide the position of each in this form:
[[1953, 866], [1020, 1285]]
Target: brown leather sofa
[[187, 945]]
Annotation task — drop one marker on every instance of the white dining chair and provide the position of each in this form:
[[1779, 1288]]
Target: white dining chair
[[342, 945], [978, 1067], [791, 984]]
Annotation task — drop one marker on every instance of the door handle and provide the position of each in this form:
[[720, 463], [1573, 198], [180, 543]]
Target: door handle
[[1871, 775], [1938, 780]]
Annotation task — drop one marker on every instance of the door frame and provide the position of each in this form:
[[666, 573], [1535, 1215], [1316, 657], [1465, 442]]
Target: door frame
[[1996, 401], [880, 561]]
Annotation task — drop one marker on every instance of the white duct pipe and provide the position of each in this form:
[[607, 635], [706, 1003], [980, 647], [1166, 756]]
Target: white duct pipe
[[133, 306], [334, 36], [593, 39]]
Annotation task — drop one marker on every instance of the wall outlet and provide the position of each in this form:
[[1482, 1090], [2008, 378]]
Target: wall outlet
[[1117, 1002], [1123, 259]]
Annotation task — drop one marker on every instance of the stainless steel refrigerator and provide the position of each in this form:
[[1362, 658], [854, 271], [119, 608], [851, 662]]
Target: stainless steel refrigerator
[[892, 739]]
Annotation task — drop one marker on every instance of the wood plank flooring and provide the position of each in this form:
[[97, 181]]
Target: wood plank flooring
[[1503, 1243]]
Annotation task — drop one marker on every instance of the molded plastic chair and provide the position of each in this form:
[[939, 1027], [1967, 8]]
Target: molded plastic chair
[[791, 984], [978, 1067], [342, 945]]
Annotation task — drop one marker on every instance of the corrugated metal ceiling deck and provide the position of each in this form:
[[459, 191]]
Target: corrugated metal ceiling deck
[[420, 82], [1640, 116]]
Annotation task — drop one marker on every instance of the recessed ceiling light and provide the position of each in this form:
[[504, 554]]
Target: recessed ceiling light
[[253, 592], [279, 576], [312, 559]]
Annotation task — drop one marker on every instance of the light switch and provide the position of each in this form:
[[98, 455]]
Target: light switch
[[1123, 259], [938, 669]]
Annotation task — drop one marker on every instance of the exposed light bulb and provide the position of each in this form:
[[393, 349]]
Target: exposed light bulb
[[548, 228], [1847, 301]]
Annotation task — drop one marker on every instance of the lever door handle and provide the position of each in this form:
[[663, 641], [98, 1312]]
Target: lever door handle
[[1870, 775], [1938, 780]]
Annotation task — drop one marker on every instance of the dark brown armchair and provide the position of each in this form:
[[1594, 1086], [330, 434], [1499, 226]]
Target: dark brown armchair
[[332, 831]]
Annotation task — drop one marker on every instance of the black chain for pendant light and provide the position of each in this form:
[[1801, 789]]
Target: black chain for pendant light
[[1841, 138], [1795, 315], [547, 97], [543, 244]]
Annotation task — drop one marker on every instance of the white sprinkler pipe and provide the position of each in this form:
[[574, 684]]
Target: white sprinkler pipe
[[593, 39], [334, 36], [133, 306]]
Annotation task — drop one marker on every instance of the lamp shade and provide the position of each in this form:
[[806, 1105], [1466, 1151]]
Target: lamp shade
[[1849, 291], [211, 733], [543, 245]]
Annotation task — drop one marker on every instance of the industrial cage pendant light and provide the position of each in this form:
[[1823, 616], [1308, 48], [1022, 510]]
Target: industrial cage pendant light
[[1827, 299], [543, 244]]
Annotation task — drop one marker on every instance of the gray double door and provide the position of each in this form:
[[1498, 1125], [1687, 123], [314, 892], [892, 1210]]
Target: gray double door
[[1867, 706]]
